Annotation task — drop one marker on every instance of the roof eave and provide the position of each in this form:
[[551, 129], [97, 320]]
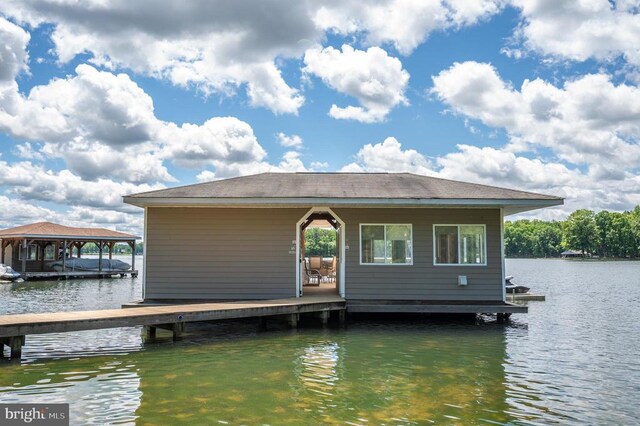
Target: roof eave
[[511, 206], [68, 237]]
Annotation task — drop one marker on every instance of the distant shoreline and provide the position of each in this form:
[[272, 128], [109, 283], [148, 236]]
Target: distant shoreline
[[580, 259]]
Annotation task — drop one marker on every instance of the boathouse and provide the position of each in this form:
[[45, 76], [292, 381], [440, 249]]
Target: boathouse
[[404, 242], [46, 250]]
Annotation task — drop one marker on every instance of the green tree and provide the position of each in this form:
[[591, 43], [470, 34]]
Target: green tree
[[581, 231], [320, 242]]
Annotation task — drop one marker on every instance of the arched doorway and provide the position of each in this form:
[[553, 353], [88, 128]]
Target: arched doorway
[[327, 276]]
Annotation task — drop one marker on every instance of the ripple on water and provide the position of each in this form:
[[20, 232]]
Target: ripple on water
[[573, 359]]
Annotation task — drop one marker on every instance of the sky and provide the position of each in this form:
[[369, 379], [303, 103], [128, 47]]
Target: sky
[[103, 98]]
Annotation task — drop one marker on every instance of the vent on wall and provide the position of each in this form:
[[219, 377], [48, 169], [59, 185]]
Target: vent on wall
[[462, 280]]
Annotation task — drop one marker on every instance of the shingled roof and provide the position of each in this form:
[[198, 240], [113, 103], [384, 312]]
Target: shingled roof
[[363, 189], [54, 230]]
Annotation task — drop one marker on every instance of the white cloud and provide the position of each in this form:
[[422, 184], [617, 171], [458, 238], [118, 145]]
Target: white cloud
[[403, 23], [501, 167], [374, 78], [388, 156], [290, 162], [104, 218], [13, 53], [104, 126], [221, 47], [579, 30], [214, 46], [319, 165], [218, 140], [32, 182], [18, 212], [589, 121], [289, 141]]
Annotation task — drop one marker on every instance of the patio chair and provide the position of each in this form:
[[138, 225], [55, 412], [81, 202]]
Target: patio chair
[[313, 276], [332, 269]]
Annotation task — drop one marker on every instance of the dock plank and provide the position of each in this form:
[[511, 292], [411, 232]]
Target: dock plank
[[54, 322]]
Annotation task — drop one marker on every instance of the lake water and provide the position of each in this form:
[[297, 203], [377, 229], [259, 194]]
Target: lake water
[[574, 359]]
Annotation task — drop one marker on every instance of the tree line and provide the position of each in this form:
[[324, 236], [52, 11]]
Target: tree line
[[121, 249], [320, 242], [604, 234]]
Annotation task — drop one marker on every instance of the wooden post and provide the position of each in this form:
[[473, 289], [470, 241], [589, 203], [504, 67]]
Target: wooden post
[[178, 329], [293, 320], [151, 331], [99, 256], [2, 246], [25, 252], [133, 256], [15, 344], [324, 317], [262, 323], [342, 318], [41, 249], [64, 255], [110, 245]]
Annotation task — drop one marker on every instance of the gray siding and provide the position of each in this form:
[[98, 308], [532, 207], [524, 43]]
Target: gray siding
[[220, 253], [422, 280], [243, 253]]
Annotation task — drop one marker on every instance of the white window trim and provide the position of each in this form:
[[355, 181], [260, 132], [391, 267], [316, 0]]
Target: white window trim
[[385, 245], [458, 225]]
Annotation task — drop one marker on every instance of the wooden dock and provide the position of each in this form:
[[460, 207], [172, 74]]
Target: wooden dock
[[519, 297], [64, 275], [14, 328]]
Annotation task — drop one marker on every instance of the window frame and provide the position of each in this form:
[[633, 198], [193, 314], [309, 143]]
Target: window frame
[[29, 246], [458, 225], [384, 225]]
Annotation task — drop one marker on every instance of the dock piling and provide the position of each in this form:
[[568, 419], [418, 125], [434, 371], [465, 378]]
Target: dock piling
[[342, 318], [262, 323], [15, 344], [293, 320], [324, 317], [151, 332]]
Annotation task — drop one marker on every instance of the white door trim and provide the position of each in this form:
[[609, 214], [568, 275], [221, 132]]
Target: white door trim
[[342, 233]]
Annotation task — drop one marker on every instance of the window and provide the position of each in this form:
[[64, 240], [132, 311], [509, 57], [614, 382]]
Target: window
[[459, 244], [386, 244], [49, 252], [32, 252]]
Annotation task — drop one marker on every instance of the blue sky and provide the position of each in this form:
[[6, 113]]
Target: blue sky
[[107, 98]]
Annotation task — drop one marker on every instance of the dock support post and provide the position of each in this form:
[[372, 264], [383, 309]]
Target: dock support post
[[25, 253], [262, 323], [133, 257], [99, 256], [342, 318], [178, 329], [151, 332], [64, 255], [293, 320], [15, 344], [324, 317]]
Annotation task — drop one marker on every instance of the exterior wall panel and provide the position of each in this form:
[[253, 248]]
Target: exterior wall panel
[[220, 253], [422, 280]]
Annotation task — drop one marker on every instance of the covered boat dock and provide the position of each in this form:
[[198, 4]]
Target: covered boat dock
[[46, 250]]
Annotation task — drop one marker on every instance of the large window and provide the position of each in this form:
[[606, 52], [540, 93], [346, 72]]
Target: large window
[[459, 244], [386, 244]]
